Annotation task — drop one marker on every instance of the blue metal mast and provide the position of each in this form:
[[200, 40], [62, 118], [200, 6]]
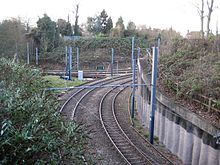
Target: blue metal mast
[[153, 93], [112, 63], [133, 77]]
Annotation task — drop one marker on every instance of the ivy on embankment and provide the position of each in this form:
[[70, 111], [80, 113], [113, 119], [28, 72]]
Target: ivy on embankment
[[31, 129], [90, 47], [107, 43], [193, 66], [97, 50]]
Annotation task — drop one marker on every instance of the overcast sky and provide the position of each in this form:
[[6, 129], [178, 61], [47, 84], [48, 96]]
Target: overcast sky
[[181, 15]]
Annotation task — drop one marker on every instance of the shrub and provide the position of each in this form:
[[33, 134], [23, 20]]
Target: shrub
[[31, 130], [194, 66]]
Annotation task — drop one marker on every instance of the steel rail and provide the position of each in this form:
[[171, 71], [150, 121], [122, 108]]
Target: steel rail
[[143, 158], [141, 136], [80, 90], [82, 97], [113, 110]]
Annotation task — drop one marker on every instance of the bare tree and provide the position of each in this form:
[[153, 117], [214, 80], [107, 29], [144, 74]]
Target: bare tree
[[202, 19], [76, 26], [210, 10], [201, 14]]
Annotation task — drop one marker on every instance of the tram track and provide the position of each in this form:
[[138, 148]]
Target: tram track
[[129, 152], [77, 96], [149, 150], [122, 136]]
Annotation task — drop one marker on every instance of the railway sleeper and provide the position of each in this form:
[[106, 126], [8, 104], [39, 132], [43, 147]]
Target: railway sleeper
[[109, 120], [135, 159], [114, 131], [111, 126], [117, 135], [106, 112], [125, 148], [119, 139], [123, 144], [130, 152]]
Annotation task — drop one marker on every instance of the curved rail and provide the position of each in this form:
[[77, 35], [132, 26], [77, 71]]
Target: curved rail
[[142, 137], [129, 152], [122, 147], [74, 94], [82, 97]]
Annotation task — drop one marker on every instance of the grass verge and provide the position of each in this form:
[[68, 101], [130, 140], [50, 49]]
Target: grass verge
[[57, 82]]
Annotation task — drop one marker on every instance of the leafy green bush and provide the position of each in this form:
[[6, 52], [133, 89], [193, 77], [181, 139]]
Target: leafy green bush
[[98, 49], [194, 65], [31, 130]]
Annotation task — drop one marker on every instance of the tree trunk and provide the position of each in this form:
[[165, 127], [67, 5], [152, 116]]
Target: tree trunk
[[210, 10], [16, 52], [202, 19], [76, 26]]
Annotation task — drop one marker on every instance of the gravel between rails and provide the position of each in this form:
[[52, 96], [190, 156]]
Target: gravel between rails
[[161, 157], [99, 147]]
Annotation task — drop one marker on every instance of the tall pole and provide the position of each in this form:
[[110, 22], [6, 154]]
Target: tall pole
[[70, 63], [112, 63], [36, 56], [28, 54], [153, 93], [66, 61], [77, 58], [133, 79]]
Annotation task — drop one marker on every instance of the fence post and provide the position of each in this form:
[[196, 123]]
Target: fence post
[[153, 93]]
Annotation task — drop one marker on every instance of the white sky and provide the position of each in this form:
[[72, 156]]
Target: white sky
[[181, 15]]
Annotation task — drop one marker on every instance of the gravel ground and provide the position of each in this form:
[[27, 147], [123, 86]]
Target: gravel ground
[[99, 146], [100, 149], [124, 115]]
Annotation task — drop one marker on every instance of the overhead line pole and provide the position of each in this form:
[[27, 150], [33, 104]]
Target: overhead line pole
[[112, 63], [153, 94], [77, 58], [70, 63], [66, 60], [133, 79]]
